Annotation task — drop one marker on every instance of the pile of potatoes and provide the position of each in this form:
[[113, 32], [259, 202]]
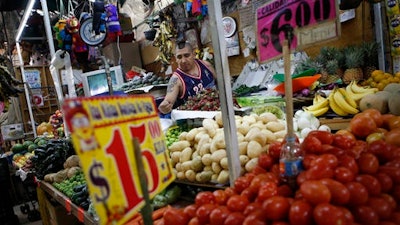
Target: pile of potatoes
[[200, 156]]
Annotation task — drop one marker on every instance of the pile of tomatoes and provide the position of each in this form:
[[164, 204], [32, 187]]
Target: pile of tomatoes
[[346, 180]]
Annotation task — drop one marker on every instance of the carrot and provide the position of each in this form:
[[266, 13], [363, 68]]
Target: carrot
[[135, 220], [158, 213], [159, 221]]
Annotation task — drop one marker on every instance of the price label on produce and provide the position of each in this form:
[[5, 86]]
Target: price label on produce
[[312, 20], [102, 130]]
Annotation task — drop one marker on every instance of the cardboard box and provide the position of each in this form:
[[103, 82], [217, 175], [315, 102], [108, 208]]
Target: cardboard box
[[12, 132]]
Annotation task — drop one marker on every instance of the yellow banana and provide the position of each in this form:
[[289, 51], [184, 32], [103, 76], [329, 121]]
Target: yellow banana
[[359, 89], [317, 98], [358, 96], [348, 98], [318, 112], [343, 104], [335, 108], [320, 104]]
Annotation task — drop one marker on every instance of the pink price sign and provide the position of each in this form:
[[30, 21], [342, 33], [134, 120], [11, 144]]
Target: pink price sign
[[275, 17]]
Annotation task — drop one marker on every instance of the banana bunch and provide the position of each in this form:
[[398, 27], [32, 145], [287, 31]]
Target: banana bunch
[[357, 92], [319, 107], [341, 102]]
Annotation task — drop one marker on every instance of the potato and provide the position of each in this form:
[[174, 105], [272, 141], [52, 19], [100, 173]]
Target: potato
[[218, 142], [243, 147], [243, 128], [280, 134], [186, 155], [216, 168], [214, 178], [71, 161], [223, 177], [200, 135], [218, 119], [268, 117], [218, 155], [178, 146], [259, 124], [73, 170], [191, 134], [204, 149], [175, 156], [180, 175], [224, 163], [178, 167], [240, 137], [210, 126], [204, 176], [275, 126], [206, 159], [251, 164], [190, 175], [49, 177], [197, 165], [243, 159], [254, 149], [207, 168], [257, 135], [249, 119], [195, 154], [270, 136], [182, 136], [186, 165], [203, 140]]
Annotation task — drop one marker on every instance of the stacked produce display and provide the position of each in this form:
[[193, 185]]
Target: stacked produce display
[[348, 178]]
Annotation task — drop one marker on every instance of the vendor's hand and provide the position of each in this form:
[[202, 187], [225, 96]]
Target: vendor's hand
[[165, 107]]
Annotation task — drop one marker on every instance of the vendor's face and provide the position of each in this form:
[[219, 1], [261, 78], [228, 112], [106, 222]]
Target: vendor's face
[[185, 59]]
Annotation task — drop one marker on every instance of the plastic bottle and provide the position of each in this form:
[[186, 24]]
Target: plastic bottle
[[291, 161]]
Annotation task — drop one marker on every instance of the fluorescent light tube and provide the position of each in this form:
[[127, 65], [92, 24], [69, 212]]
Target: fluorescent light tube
[[25, 18]]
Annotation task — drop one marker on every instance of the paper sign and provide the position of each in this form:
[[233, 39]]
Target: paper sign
[[32, 78], [274, 17], [102, 130]]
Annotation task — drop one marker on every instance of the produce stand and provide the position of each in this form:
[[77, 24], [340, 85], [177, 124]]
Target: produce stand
[[70, 207], [335, 123]]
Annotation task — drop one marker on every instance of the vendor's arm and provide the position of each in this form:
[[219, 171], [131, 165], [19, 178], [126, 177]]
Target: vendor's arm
[[211, 68], [173, 91]]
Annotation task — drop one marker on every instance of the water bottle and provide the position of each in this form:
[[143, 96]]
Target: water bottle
[[290, 162]]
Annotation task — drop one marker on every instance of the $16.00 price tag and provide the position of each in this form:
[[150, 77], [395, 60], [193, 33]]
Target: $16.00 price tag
[[102, 130], [276, 16]]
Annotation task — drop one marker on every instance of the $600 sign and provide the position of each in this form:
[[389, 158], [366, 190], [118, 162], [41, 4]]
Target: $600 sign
[[102, 130], [275, 17]]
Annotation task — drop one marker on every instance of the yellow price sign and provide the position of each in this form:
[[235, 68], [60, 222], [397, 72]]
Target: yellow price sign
[[102, 130]]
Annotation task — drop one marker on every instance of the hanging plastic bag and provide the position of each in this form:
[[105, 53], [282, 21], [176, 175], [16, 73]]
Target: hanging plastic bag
[[112, 21]]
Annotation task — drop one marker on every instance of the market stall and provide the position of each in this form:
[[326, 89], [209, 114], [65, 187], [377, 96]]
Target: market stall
[[219, 159]]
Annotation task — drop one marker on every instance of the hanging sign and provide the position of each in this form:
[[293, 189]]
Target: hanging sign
[[102, 132], [303, 16]]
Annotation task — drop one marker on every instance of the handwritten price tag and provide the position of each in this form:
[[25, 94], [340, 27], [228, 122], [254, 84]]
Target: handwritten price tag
[[276, 16], [102, 130]]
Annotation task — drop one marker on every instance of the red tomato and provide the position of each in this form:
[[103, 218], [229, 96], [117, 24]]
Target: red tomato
[[308, 158], [300, 213], [241, 183], [395, 217], [392, 137], [237, 203], [365, 215], [175, 216], [358, 193], [220, 196], [280, 223], [343, 174], [361, 126], [327, 214], [380, 149], [301, 178], [324, 136], [251, 207], [204, 211], [381, 206], [392, 171], [396, 193], [394, 122], [311, 144], [385, 181], [315, 192], [326, 160], [266, 191], [371, 183], [375, 115], [230, 191], [390, 200], [259, 180], [346, 132], [350, 163], [319, 172], [338, 152], [218, 215], [253, 219], [347, 215], [343, 141], [265, 160], [258, 170], [190, 210], [339, 192], [386, 223], [234, 218], [194, 221], [274, 150], [276, 208], [385, 119], [368, 163], [204, 197], [249, 194]]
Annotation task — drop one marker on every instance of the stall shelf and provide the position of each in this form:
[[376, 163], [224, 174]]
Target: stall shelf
[[82, 215]]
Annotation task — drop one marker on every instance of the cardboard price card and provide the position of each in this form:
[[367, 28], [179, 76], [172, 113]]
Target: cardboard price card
[[102, 132]]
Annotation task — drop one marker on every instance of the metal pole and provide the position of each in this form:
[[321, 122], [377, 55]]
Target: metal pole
[[225, 89], [28, 99], [56, 78], [379, 35]]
